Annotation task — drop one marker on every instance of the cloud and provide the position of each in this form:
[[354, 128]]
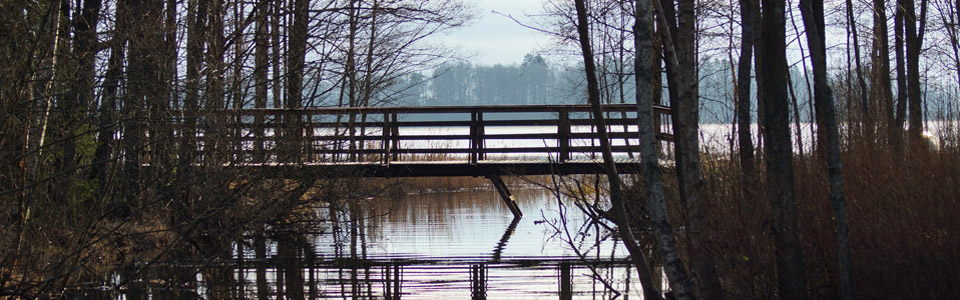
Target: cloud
[[494, 37]]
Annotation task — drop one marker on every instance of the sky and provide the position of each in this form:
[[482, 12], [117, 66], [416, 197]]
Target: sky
[[492, 38]]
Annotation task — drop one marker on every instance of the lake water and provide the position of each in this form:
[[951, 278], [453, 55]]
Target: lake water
[[453, 245]]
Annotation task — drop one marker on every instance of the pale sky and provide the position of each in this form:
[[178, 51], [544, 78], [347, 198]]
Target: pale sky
[[494, 38]]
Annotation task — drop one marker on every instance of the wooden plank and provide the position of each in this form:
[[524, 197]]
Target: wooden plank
[[426, 169]]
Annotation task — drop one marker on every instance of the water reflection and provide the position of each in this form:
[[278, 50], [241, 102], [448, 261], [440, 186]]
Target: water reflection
[[442, 245]]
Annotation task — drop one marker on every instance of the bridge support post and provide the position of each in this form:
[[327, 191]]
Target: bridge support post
[[478, 282], [505, 195], [566, 282]]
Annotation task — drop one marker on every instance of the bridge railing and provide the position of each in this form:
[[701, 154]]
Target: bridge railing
[[474, 133]]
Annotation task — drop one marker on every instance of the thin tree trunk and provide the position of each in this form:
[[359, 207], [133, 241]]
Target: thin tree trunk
[[869, 125], [294, 78], [826, 118], [214, 96], [261, 52], [806, 80], [747, 163], [915, 102], [796, 113]]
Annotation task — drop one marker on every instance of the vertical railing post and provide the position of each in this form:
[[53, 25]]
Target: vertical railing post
[[309, 145], [395, 133], [385, 139], [563, 136], [481, 154], [258, 151], [474, 133]]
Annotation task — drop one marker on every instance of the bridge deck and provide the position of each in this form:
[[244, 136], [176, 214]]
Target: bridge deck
[[437, 168]]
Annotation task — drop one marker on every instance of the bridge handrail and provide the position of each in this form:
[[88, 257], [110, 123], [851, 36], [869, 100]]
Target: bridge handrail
[[377, 132], [440, 109]]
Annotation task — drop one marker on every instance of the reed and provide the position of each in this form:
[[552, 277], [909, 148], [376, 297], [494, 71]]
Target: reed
[[903, 229]]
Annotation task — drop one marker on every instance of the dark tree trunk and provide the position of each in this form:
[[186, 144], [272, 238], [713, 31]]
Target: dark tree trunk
[[747, 165], [915, 102], [144, 87], [294, 85], [76, 103], [85, 39], [898, 45], [107, 112], [827, 121], [883, 90], [216, 46], [261, 44], [645, 66], [779, 151]]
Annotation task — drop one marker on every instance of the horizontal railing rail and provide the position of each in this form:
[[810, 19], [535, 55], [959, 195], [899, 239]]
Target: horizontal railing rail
[[390, 134]]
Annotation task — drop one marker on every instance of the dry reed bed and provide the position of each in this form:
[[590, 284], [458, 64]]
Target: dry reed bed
[[905, 235]]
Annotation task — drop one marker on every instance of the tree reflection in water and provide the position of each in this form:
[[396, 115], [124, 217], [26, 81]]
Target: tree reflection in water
[[424, 246]]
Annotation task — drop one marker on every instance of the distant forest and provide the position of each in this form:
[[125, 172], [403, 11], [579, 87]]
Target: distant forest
[[537, 81]]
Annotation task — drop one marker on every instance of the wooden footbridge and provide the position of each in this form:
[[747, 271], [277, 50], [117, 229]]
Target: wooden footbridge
[[489, 141]]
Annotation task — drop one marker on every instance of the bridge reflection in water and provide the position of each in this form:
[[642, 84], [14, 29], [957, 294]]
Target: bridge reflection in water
[[433, 246]]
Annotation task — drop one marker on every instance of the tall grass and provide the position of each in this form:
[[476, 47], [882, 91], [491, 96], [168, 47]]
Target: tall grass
[[904, 231]]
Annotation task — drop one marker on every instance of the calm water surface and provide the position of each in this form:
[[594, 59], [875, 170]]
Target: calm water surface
[[450, 245]]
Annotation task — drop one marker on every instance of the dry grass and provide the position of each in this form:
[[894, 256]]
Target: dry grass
[[905, 236]]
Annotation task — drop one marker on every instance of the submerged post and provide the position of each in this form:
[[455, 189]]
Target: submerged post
[[505, 195]]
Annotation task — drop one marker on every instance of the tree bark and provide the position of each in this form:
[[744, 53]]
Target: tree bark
[[294, 86], [779, 152], [898, 45], [107, 111], [826, 120], [883, 90], [261, 52], [683, 83], [79, 99], [915, 102], [747, 164]]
